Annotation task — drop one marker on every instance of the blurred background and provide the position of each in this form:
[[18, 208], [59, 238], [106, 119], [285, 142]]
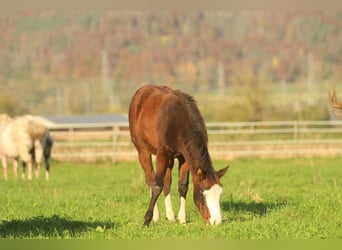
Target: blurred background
[[240, 66]]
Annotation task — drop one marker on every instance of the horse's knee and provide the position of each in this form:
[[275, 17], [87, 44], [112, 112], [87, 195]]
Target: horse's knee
[[156, 189], [183, 188]]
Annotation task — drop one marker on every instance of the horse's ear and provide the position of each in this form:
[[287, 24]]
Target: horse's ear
[[222, 171], [200, 173]]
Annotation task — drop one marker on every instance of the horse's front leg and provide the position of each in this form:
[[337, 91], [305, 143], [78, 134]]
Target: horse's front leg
[[162, 162], [146, 163], [37, 171], [170, 215], [4, 166], [183, 184], [29, 167], [15, 168]]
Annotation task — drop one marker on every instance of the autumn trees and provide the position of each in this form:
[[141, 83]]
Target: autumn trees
[[55, 56]]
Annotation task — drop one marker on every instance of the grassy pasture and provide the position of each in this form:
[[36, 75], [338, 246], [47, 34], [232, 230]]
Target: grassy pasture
[[296, 198]]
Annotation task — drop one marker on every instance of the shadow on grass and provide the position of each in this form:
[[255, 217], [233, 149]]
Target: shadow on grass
[[242, 210], [54, 226]]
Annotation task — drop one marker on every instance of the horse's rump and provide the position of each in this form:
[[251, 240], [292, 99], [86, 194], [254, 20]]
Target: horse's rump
[[160, 115], [27, 125], [36, 130]]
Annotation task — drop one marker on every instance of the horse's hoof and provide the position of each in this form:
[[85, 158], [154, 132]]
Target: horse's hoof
[[146, 224]]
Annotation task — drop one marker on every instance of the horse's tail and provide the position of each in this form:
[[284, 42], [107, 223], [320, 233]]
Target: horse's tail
[[36, 129]]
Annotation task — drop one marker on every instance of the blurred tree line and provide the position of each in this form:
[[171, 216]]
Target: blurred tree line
[[239, 65]]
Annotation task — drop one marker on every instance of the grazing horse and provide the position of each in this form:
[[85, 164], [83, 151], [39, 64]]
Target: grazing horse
[[17, 139], [167, 123]]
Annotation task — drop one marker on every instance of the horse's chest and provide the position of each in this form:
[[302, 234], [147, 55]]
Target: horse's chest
[[7, 145]]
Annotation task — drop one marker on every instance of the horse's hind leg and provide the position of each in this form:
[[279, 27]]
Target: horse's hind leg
[[162, 163], [47, 167], [183, 184], [37, 156], [25, 156], [146, 163], [170, 215], [23, 167]]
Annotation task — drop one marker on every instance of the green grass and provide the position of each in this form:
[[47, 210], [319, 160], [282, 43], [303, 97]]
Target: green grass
[[263, 199]]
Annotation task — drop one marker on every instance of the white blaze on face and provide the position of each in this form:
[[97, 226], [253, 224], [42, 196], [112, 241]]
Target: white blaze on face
[[212, 198], [155, 217]]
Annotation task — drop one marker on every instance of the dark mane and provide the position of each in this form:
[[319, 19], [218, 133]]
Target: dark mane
[[196, 143], [195, 115], [187, 99], [197, 148]]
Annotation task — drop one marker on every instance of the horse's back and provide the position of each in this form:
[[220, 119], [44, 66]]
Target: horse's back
[[147, 98]]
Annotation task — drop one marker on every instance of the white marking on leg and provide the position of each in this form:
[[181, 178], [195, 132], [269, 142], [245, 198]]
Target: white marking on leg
[[155, 217], [170, 215], [47, 175], [212, 198], [181, 213]]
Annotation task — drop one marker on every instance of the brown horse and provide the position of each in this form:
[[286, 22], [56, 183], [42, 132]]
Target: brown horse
[[168, 124]]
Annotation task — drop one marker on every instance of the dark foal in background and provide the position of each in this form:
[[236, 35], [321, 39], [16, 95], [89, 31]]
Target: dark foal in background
[[168, 124]]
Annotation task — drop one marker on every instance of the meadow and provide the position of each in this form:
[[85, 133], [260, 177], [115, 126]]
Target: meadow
[[298, 198]]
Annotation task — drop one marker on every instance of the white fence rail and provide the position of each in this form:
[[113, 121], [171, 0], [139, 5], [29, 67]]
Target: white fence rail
[[92, 142]]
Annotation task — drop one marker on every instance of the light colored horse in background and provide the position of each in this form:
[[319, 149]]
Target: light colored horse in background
[[17, 138]]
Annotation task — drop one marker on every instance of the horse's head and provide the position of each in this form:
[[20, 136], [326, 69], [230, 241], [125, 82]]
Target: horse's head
[[207, 193]]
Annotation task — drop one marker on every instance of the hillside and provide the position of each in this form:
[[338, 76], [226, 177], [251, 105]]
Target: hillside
[[91, 62]]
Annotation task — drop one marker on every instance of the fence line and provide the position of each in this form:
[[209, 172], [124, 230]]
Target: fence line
[[227, 140]]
